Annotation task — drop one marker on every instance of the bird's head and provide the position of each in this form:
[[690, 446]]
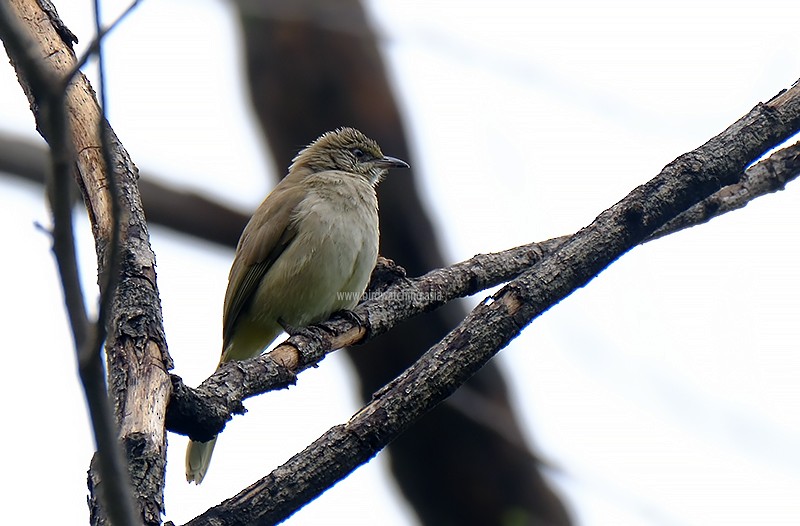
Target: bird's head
[[346, 150]]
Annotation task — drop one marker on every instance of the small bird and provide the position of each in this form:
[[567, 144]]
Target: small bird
[[307, 252]]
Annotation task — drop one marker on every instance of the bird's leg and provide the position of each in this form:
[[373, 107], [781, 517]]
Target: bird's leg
[[291, 330]]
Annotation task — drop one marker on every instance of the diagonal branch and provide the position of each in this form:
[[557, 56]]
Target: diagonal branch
[[767, 176], [683, 183], [203, 412]]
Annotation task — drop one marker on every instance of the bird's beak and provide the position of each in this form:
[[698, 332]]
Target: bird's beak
[[390, 162]]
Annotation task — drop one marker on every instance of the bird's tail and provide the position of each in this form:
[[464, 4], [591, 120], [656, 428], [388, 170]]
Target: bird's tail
[[198, 457], [251, 338]]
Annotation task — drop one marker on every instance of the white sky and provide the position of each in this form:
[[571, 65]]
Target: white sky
[[667, 391]]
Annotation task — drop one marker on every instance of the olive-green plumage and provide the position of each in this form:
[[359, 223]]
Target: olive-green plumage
[[307, 252]]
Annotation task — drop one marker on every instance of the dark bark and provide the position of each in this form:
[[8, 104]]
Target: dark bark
[[682, 184], [203, 412], [83, 145]]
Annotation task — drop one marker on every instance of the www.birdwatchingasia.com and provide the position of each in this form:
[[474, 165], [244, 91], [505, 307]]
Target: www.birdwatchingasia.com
[[412, 296]]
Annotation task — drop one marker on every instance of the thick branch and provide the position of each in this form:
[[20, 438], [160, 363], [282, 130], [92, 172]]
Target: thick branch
[[201, 413], [135, 347], [683, 183], [765, 177], [44, 85]]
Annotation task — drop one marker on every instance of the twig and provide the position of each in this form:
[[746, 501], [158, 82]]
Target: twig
[[95, 45], [110, 277]]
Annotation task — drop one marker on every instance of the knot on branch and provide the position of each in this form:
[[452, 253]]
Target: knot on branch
[[196, 414]]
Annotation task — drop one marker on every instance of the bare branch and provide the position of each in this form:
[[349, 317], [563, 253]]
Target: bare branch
[[767, 176], [688, 180], [55, 126], [101, 32], [203, 412], [72, 122]]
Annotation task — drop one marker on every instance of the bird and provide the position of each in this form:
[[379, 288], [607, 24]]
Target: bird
[[307, 252]]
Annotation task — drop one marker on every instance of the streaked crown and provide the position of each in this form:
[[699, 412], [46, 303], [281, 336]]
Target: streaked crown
[[346, 150]]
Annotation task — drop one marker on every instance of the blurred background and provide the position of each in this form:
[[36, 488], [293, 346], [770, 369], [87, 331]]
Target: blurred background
[[667, 391]]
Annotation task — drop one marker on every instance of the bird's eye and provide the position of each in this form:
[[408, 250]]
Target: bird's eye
[[358, 152]]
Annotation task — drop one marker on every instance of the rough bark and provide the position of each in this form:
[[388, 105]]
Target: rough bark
[[137, 357], [394, 298], [682, 184]]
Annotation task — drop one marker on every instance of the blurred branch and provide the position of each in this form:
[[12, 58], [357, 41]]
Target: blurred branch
[[82, 144], [100, 34], [109, 275], [183, 211], [198, 216], [306, 75], [682, 184]]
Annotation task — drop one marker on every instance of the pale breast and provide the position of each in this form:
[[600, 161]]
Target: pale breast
[[327, 266]]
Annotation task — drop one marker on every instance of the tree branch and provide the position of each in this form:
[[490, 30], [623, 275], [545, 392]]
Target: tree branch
[[183, 211], [765, 177], [203, 412], [685, 182], [42, 86], [80, 138]]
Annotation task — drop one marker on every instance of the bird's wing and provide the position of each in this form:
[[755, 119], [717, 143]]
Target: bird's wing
[[261, 244]]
